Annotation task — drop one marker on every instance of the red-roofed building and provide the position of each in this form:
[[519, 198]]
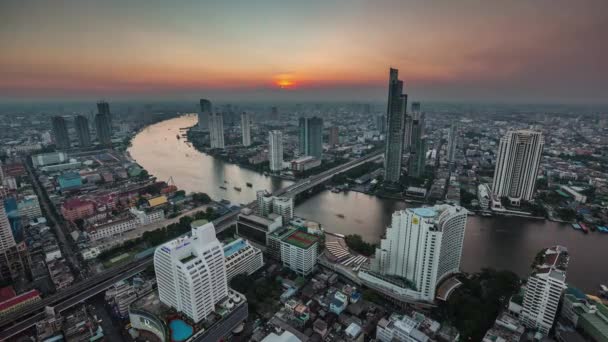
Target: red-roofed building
[[76, 208], [17, 302], [7, 293]]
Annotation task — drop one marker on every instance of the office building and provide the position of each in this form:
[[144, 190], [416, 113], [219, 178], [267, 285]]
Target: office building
[[104, 108], [422, 246], [242, 258], [544, 289], [283, 206], [6, 235], [305, 163], [268, 204], [264, 200], [29, 207], [517, 164], [334, 136], [417, 159], [275, 146], [256, 228], [60, 132], [103, 129], [50, 158], [395, 113], [204, 114], [381, 123], [452, 142], [216, 130], [191, 272], [311, 137], [299, 252], [246, 128], [81, 123]]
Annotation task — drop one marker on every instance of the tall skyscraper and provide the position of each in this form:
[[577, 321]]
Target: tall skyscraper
[[311, 137], [6, 235], [334, 136], [423, 246], [452, 142], [544, 289], [203, 115], [216, 130], [81, 124], [517, 164], [246, 128], [103, 129], [60, 132], [415, 129], [275, 147], [395, 113], [191, 273], [104, 108]]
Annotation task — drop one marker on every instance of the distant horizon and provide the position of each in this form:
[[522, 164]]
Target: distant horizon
[[543, 51]]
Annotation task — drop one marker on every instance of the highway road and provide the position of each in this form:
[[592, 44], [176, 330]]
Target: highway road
[[87, 288]]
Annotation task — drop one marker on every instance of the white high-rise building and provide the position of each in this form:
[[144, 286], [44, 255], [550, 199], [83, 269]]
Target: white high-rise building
[[544, 289], [6, 234], [267, 204], [517, 164], [246, 128], [422, 246], [216, 130], [283, 206], [275, 147], [264, 201], [191, 273]]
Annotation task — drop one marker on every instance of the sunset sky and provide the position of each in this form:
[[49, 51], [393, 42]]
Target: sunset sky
[[507, 51]]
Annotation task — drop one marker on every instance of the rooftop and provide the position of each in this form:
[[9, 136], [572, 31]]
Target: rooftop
[[301, 239], [424, 212], [234, 247], [19, 299]]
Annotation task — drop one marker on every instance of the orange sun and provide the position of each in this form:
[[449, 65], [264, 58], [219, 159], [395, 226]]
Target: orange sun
[[285, 83]]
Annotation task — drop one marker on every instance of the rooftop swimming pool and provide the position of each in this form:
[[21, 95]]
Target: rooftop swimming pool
[[180, 330]]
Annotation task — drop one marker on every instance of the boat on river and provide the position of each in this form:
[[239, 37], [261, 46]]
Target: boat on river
[[584, 227], [576, 226], [249, 184], [237, 188], [222, 187]]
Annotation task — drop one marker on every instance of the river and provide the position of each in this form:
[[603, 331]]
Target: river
[[498, 242]]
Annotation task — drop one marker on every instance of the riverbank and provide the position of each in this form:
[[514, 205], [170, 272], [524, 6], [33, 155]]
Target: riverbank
[[498, 242]]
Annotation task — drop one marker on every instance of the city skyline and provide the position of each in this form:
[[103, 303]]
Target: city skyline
[[312, 51]]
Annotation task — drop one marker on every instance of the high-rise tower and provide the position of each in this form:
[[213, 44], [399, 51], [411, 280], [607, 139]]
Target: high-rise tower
[[203, 114], [275, 147], [60, 132], [544, 289], [216, 130], [246, 128], [311, 137], [415, 129], [103, 129], [191, 273], [423, 246], [81, 123], [104, 108], [517, 164], [395, 113]]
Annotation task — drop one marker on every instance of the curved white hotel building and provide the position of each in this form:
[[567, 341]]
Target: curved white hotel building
[[422, 247]]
